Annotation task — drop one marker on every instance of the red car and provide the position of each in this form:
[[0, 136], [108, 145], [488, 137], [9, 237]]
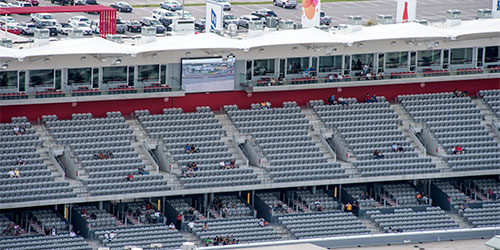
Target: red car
[[11, 29], [33, 2]]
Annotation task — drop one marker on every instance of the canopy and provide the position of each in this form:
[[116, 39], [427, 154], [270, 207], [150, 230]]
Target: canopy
[[10, 53], [481, 26], [291, 37]]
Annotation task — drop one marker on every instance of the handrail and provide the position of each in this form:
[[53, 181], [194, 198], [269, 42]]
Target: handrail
[[235, 140], [61, 167], [413, 134], [165, 150], [258, 150], [155, 160], [328, 142]]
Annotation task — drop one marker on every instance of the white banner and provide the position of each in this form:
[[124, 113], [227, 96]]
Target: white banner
[[310, 13], [213, 16], [406, 11], [495, 9]]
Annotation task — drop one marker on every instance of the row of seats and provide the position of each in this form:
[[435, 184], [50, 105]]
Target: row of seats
[[488, 215], [360, 196], [408, 219], [63, 242], [455, 196], [141, 237], [401, 193], [326, 202]]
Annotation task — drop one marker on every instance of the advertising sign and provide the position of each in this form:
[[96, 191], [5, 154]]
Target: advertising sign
[[406, 11], [311, 13], [213, 16]]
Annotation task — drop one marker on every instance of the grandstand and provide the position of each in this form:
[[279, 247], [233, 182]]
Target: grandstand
[[407, 149]]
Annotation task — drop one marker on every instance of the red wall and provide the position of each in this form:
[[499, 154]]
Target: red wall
[[241, 98]]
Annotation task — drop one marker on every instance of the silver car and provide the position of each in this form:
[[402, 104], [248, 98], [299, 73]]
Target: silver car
[[171, 5], [285, 3], [27, 28]]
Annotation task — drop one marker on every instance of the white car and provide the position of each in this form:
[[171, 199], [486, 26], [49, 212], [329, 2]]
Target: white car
[[20, 4], [285, 3], [78, 19], [82, 26], [38, 17], [64, 28], [7, 19], [225, 4], [187, 14]]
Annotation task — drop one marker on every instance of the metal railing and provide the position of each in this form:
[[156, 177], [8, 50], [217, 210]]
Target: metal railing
[[413, 134], [60, 168], [151, 155]]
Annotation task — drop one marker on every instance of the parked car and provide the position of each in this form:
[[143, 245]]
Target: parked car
[[85, 27], [225, 4], [199, 25], [149, 21], [121, 26], [121, 7], [11, 28], [94, 26], [20, 4], [26, 28], [63, 2], [4, 5], [133, 26], [324, 19], [37, 17], [78, 19], [187, 14], [161, 13], [86, 2], [263, 13], [32, 2], [63, 28], [7, 19], [229, 19], [285, 3], [166, 22], [171, 5], [47, 24], [244, 20]]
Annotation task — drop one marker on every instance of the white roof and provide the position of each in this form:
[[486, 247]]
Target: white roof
[[10, 53], [290, 37], [189, 42], [393, 32], [480, 26], [94, 45]]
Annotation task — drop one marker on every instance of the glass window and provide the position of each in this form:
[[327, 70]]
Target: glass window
[[42, 78], [8, 79], [58, 79], [263, 67], [148, 73], [297, 65], [330, 63], [429, 58], [112, 75], [79, 76], [249, 70], [22, 81], [163, 79], [95, 78], [131, 76], [492, 54], [396, 60], [360, 60], [461, 56]]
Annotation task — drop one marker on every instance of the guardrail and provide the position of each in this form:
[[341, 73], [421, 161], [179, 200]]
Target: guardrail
[[235, 140], [56, 160], [151, 156], [413, 134], [327, 143]]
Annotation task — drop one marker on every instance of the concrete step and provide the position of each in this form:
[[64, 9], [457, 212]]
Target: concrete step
[[370, 225], [78, 187], [459, 220], [190, 237], [281, 231]]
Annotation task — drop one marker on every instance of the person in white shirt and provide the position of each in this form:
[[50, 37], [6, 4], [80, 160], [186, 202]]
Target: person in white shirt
[[191, 226], [11, 173], [112, 236], [72, 234], [171, 226], [395, 147]]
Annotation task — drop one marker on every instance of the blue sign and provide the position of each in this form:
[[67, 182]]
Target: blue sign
[[498, 5], [213, 19]]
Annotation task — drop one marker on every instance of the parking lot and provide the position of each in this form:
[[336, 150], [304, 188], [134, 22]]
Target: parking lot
[[431, 10]]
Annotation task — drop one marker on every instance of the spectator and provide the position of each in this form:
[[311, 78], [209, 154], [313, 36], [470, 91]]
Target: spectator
[[101, 156], [232, 164], [157, 216], [459, 150], [318, 206], [141, 170], [96, 157], [368, 98], [11, 173], [54, 231], [268, 105], [491, 194], [20, 161], [171, 226], [400, 148], [193, 149], [130, 177], [72, 234], [205, 227], [425, 199], [112, 236], [340, 77], [178, 221], [331, 100], [263, 223], [419, 198], [348, 207], [377, 154], [362, 196], [190, 226], [187, 149], [355, 208], [108, 155], [374, 98], [368, 76], [17, 130], [263, 105], [458, 93], [93, 216], [394, 147], [331, 77], [16, 172], [342, 101], [222, 165]]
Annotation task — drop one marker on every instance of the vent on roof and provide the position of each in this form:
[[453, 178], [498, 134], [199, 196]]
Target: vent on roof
[[297, 26], [115, 38], [6, 43], [75, 33], [422, 21], [148, 34], [272, 22], [322, 28], [41, 37], [384, 19], [255, 25], [354, 20], [286, 24], [484, 14], [182, 26], [453, 17]]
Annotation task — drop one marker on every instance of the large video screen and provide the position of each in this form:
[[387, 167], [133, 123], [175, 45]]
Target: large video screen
[[207, 75]]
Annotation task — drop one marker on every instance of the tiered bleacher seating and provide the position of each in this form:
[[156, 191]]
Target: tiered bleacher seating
[[142, 237], [492, 99], [156, 87], [282, 135], [49, 93], [88, 137], [13, 96], [274, 203], [304, 80], [234, 205], [455, 121], [442, 72], [202, 129], [484, 185], [454, 195], [355, 192], [45, 242], [245, 230], [308, 199], [401, 194], [400, 75], [103, 218], [469, 71], [4, 224], [143, 212], [408, 219], [367, 127], [35, 181], [322, 225], [488, 215], [48, 219], [85, 91], [123, 89]]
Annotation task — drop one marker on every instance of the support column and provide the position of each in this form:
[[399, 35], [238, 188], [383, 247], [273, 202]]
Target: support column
[[100, 205], [313, 189]]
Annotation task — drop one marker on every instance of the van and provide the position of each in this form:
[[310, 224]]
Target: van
[[161, 13]]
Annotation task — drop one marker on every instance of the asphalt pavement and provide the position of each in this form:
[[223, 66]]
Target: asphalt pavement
[[431, 10]]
